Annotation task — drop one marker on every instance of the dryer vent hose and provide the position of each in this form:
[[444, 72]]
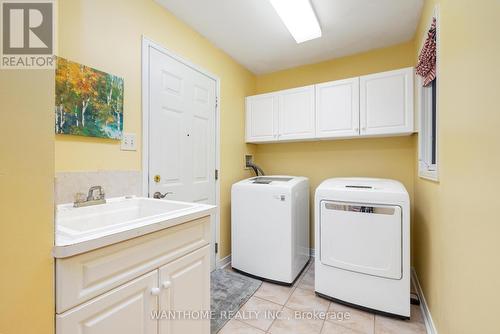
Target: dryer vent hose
[[255, 168]]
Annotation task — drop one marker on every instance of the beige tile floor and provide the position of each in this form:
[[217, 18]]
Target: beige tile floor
[[300, 297]]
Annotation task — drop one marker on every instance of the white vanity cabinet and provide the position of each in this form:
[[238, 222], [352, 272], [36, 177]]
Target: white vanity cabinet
[[283, 115], [116, 288], [125, 310], [379, 104], [184, 286]]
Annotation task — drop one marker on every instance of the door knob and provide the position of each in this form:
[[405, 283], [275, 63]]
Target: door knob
[[166, 284], [159, 195], [157, 178], [155, 291]]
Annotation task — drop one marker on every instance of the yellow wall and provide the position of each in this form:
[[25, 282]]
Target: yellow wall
[[107, 35], [375, 157], [26, 202], [457, 226], [379, 60]]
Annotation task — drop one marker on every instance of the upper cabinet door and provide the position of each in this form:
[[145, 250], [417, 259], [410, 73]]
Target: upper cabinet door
[[337, 109], [296, 113], [262, 118], [386, 103]]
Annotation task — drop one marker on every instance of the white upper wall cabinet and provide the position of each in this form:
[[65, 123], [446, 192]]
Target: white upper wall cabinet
[[262, 118], [283, 115], [386, 103], [337, 109], [378, 104], [296, 113]]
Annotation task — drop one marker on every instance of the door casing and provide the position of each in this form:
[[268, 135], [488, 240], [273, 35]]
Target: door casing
[[146, 45]]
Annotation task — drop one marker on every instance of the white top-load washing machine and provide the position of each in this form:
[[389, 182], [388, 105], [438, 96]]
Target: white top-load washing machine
[[270, 227], [363, 244]]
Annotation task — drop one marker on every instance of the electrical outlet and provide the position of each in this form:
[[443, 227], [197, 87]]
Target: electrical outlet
[[129, 142], [248, 159]]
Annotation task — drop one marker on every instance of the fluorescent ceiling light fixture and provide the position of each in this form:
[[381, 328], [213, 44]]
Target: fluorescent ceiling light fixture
[[299, 18]]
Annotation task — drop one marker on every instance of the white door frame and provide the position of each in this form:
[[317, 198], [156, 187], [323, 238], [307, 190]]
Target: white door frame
[[146, 44]]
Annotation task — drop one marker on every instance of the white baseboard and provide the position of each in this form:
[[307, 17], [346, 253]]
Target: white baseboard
[[222, 263], [429, 323], [313, 252]]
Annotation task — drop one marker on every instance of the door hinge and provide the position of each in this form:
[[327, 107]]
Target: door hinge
[[216, 174], [216, 102], [216, 247]]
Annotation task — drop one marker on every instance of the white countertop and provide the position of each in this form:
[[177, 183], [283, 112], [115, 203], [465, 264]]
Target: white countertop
[[79, 230]]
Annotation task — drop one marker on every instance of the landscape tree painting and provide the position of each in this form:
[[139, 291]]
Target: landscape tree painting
[[88, 102]]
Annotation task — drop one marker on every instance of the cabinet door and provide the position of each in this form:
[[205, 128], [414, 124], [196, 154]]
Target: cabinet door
[[337, 109], [261, 118], [296, 113], [185, 285], [387, 103], [125, 310]]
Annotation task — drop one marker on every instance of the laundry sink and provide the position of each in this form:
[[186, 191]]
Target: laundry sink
[[120, 219]]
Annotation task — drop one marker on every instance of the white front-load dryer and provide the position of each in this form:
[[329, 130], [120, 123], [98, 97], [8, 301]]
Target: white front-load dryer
[[270, 227], [363, 244]]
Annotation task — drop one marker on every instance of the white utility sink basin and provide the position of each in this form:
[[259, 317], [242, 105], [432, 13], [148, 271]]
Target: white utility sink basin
[[78, 229]]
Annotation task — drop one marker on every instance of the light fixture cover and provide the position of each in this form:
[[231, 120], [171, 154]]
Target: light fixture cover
[[299, 18]]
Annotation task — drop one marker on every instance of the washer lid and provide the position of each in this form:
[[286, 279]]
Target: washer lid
[[275, 181], [269, 179]]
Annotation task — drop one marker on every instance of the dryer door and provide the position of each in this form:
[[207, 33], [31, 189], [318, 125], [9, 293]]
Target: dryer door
[[363, 238]]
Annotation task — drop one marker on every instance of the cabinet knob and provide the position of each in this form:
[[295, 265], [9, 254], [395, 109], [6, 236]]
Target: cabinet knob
[[155, 291], [166, 284]]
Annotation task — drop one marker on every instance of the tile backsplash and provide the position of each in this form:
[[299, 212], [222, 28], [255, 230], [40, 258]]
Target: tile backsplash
[[115, 183]]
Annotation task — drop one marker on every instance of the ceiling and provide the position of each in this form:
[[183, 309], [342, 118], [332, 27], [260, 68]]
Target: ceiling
[[251, 32]]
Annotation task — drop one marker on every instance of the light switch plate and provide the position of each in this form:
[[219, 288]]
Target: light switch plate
[[129, 142]]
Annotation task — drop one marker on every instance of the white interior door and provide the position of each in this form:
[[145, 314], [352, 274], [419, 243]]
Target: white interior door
[[182, 129]]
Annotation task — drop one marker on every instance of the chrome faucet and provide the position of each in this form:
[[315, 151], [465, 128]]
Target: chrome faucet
[[95, 196]]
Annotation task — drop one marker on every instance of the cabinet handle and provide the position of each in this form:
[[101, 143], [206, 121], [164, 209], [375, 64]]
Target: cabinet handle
[[166, 284], [155, 291]]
